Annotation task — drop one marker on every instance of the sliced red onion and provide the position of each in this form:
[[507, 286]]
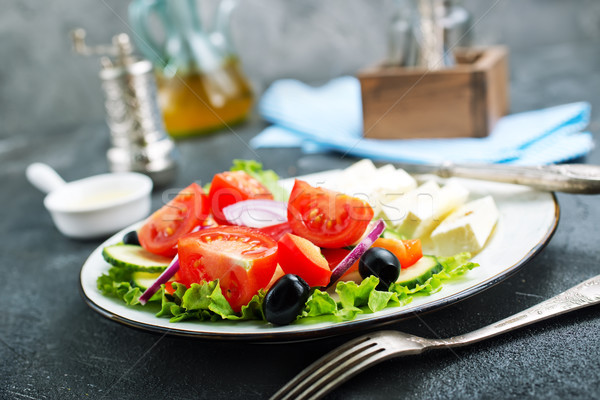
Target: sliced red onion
[[163, 278], [256, 213], [357, 252]]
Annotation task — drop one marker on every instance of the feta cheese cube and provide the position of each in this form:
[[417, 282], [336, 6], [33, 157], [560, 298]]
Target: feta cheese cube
[[466, 229], [425, 207], [375, 185], [404, 212]]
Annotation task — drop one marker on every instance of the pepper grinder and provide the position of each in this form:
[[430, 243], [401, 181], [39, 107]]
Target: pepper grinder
[[138, 137]]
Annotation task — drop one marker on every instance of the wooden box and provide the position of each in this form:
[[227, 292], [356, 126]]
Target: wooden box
[[463, 101]]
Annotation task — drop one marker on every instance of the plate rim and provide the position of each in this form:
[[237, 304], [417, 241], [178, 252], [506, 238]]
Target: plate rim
[[334, 330]]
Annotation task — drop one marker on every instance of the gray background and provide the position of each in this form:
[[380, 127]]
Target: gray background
[[53, 346], [44, 87]]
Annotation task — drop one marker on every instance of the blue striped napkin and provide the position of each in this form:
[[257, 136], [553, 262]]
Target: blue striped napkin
[[329, 118]]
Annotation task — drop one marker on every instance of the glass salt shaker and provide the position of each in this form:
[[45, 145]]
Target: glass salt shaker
[[458, 23], [402, 47]]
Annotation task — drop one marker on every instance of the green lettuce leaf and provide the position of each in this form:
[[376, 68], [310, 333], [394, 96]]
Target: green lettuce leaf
[[319, 303], [457, 265], [364, 296], [117, 283], [268, 178], [206, 296], [205, 301], [252, 310], [452, 268], [353, 295], [379, 300]]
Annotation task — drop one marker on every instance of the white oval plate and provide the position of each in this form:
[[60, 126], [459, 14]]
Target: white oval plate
[[528, 219]]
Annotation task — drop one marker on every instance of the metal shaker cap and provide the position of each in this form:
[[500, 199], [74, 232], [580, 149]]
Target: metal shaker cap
[[138, 137]]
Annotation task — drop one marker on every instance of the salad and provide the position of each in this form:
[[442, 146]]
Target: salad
[[244, 248]]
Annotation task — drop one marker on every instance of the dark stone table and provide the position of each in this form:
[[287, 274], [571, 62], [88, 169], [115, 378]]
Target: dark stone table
[[53, 346]]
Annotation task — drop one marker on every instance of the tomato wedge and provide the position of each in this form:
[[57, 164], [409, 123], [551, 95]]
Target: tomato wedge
[[301, 257], [243, 259], [230, 187], [160, 233], [407, 251], [276, 275], [327, 218], [335, 256], [277, 231]]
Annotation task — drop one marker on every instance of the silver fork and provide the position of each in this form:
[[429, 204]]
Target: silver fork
[[339, 365]]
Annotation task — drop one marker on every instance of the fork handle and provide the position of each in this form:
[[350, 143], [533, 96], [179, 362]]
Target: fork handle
[[583, 295]]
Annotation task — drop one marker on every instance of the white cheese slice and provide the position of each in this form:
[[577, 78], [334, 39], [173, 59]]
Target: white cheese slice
[[466, 229], [357, 179], [425, 207], [389, 184], [361, 171], [449, 198], [390, 181], [375, 185], [386, 169], [404, 212]]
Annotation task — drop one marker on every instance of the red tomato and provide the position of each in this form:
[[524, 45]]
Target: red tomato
[[335, 256], [327, 218], [243, 259], [407, 251], [276, 275], [277, 231], [230, 187], [160, 233], [169, 288], [299, 256]]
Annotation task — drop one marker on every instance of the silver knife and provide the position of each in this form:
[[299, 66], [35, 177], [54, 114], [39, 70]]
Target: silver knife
[[567, 178]]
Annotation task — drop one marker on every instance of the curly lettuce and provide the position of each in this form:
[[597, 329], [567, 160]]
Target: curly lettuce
[[205, 301]]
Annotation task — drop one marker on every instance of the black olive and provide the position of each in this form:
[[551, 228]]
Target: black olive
[[131, 238], [286, 299], [381, 263]]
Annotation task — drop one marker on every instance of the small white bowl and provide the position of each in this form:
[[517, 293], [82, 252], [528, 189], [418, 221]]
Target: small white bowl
[[96, 206]]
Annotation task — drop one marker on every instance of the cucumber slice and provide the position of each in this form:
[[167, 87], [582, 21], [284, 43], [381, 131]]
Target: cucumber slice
[[134, 258], [143, 280], [418, 273]]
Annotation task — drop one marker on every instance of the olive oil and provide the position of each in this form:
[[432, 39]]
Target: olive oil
[[202, 102]]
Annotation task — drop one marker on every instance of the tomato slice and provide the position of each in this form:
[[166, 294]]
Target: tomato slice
[[276, 275], [160, 233], [277, 231], [230, 187], [169, 288], [243, 259], [407, 251], [335, 256], [325, 217], [301, 257]]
